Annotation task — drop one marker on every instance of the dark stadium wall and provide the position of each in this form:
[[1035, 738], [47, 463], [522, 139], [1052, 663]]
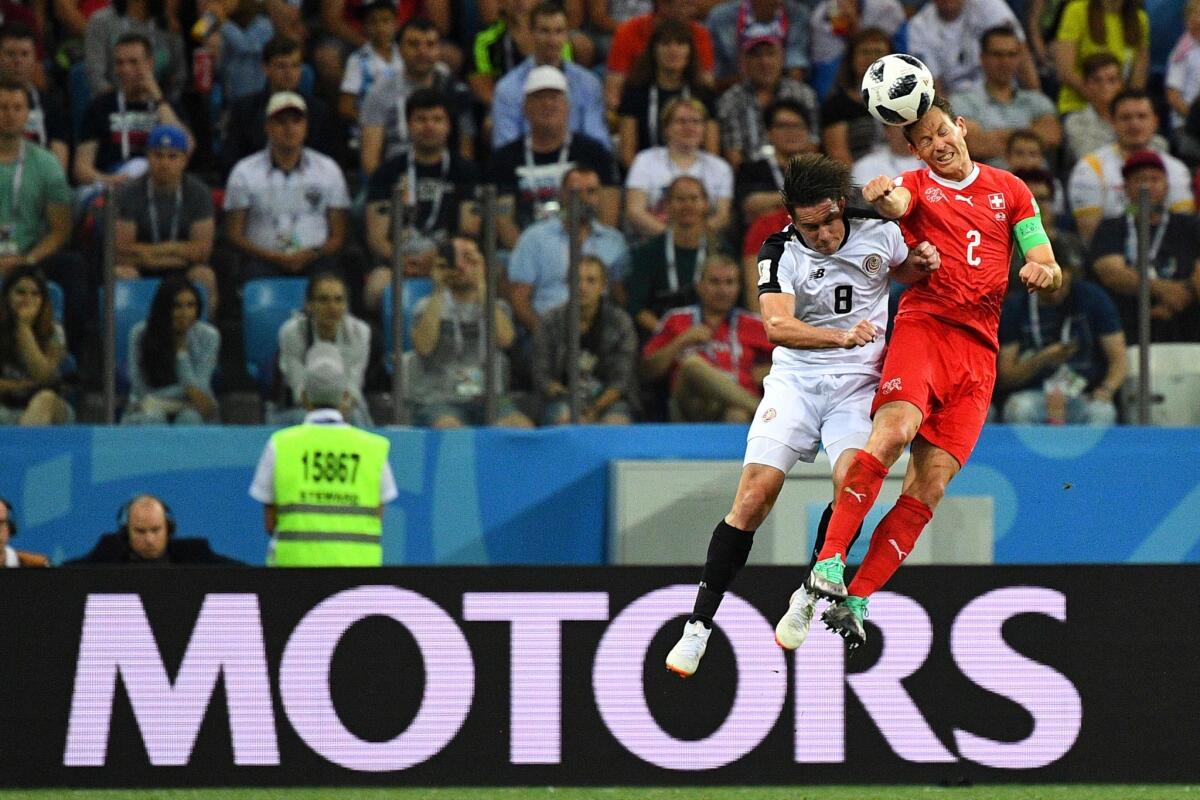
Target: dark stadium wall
[[555, 677]]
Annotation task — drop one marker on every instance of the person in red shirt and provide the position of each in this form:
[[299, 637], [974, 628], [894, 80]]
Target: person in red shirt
[[633, 36], [715, 354], [940, 367], [756, 234]]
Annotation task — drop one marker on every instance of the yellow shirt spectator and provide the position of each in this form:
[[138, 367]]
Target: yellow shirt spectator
[[1075, 43]]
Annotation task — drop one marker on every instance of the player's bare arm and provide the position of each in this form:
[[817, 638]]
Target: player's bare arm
[[1041, 272], [923, 259], [888, 197], [783, 329]]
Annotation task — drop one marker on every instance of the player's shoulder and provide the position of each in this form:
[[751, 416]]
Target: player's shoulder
[[775, 245]]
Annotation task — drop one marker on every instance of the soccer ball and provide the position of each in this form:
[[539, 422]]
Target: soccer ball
[[897, 89]]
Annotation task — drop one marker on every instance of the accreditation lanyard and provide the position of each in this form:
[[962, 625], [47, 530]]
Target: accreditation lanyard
[[652, 113], [435, 208], [562, 153], [1156, 241], [286, 218], [776, 172], [669, 252], [1035, 323], [753, 120], [17, 179], [152, 208], [123, 125]]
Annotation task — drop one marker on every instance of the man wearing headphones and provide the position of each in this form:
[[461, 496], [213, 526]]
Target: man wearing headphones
[[8, 529], [146, 536]]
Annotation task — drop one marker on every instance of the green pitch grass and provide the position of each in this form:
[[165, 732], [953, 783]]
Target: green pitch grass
[[635, 793]]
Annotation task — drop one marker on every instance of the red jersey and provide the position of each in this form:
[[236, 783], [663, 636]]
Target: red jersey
[[970, 223], [633, 36], [736, 345]]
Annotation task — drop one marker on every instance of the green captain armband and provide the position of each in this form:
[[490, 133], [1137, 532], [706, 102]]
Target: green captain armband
[[1029, 233]]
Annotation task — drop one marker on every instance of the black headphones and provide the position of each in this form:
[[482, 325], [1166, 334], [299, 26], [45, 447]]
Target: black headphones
[[12, 521], [123, 514]]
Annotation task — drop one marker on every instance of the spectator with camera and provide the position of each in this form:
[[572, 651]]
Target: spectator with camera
[[145, 537], [448, 338]]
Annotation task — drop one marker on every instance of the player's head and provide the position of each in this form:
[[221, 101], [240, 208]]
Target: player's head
[[814, 192], [939, 138]]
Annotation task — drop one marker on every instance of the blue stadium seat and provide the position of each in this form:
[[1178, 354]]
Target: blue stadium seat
[[414, 290], [266, 304], [132, 301], [56, 299]]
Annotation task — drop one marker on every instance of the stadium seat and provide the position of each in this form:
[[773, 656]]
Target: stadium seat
[[132, 301], [266, 305], [414, 290], [56, 299], [1174, 384]]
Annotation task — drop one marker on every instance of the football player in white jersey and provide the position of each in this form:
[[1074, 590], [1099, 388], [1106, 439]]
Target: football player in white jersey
[[823, 291]]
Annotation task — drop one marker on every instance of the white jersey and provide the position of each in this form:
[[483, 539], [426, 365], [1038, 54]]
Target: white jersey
[[834, 291]]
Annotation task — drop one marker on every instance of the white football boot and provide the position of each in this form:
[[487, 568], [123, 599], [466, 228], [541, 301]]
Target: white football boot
[[685, 656], [792, 629]]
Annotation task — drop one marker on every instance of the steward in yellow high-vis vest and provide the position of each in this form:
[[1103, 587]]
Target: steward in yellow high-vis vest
[[324, 482]]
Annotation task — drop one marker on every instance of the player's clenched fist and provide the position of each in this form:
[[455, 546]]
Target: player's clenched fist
[[877, 188], [862, 333], [925, 257], [1039, 277]]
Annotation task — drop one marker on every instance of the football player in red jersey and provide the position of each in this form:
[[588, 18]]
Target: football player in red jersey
[[941, 362]]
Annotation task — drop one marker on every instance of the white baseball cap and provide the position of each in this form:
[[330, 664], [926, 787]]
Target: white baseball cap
[[545, 77], [283, 101]]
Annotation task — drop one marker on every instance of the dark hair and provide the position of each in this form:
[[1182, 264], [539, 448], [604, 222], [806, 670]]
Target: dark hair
[[43, 325], [135, 38], [645, 69], [812, 177], [310, 289], [424, 99], [579, 169], [546, 8], [1042, 176], [1131, 23], [1129, 94], [158, 338], [419, 24], [1023, 134], [941, 104], [785, 104], [1098, 61], [9, 85], [17, 30], [995, 32], [847, 80], [155, 9], [279, 46]]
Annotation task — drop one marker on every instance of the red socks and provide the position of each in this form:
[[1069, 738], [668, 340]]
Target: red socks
[[892, 541], [861, 487]]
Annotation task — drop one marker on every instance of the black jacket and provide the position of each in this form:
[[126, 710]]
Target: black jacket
[[113, 548]]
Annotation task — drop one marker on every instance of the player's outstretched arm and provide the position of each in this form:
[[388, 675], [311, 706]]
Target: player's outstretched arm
[[922, 259], [783, 329], [1041, 272], [889, 198]]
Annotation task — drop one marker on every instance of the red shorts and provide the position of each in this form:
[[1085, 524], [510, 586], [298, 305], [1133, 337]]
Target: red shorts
[[947, 372]]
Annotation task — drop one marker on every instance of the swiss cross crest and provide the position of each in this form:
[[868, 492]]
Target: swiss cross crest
[[934, 195], [996, 200]]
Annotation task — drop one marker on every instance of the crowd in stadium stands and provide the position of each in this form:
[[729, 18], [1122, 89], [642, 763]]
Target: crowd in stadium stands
[[253, 149]]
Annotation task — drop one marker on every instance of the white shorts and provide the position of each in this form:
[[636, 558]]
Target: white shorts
[[798, 413]]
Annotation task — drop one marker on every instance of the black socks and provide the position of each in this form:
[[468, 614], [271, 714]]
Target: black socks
[[727, 553]]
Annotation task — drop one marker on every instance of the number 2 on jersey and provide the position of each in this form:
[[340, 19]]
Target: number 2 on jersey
[[973, 238]]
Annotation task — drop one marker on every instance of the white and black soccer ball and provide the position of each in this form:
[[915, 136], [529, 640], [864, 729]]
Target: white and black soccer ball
[[897, 89]]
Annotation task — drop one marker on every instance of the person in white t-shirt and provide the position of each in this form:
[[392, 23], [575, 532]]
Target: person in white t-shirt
[[1097, 190], [377, 59], [945, 35], [1183, 68], [287, 204], [654, 169], [823, 291]]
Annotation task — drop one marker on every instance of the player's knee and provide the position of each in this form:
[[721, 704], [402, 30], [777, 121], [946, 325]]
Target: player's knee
[[750, 507], [929, 492]]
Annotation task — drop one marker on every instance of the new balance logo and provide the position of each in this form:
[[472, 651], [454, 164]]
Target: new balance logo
[[964, 199], [857, 496], [817, 274], [900, 554]]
